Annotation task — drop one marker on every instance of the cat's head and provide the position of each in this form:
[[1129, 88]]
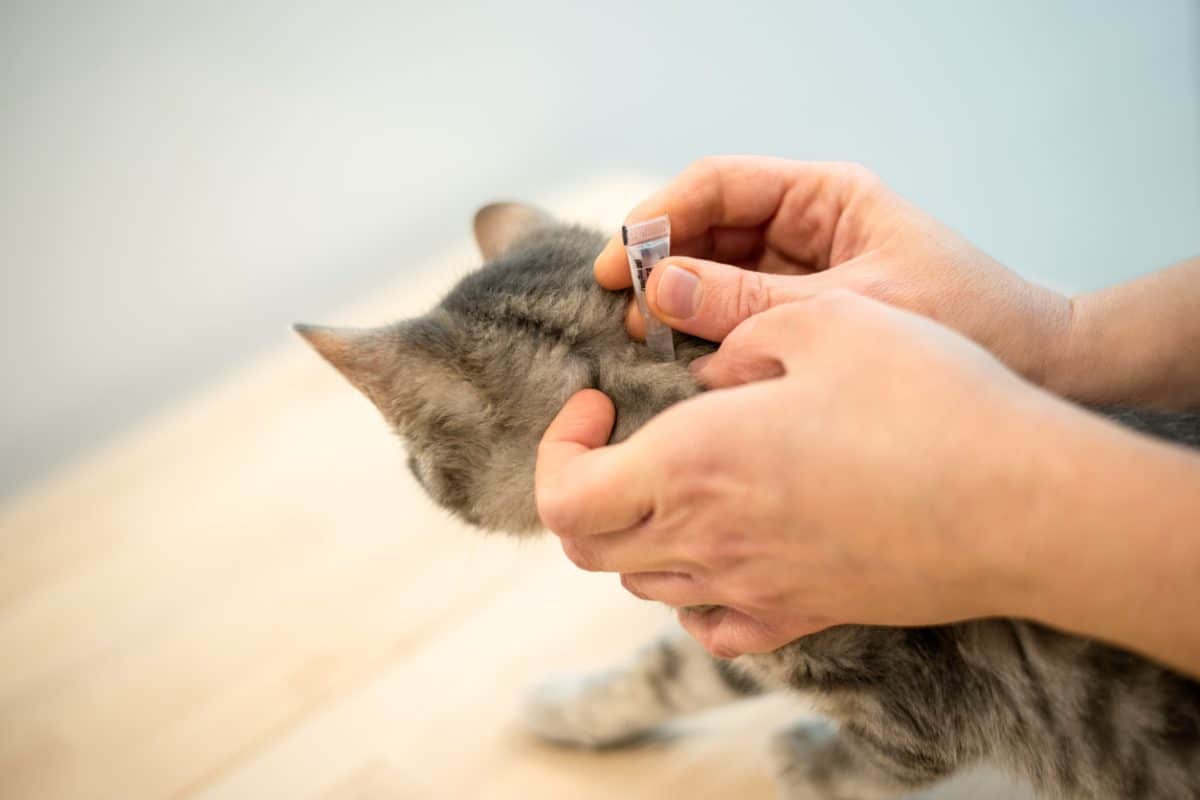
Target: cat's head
[[468, 391]]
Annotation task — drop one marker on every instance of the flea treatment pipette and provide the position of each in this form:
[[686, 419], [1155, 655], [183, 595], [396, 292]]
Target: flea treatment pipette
[[647, 243]]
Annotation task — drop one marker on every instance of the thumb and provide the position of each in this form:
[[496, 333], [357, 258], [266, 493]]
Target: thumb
[[708, 299]]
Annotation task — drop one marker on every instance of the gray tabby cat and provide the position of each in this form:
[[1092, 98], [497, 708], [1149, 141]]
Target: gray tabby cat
[[471, 386]]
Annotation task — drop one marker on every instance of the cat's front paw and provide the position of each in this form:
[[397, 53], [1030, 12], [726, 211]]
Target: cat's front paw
[[792, 747], [586, 711], [813, 760], [793, 753]]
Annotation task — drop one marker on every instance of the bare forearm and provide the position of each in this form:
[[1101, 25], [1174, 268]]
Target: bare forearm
[[1135, 344], [1110, 547]]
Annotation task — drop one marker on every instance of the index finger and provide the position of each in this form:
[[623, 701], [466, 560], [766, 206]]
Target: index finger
[[584, 487], [716, 202], [730, 191]]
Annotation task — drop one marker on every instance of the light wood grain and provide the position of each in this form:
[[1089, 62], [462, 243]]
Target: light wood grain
[[249, 598]]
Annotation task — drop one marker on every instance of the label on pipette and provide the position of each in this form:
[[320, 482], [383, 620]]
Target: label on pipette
[[647, 243]]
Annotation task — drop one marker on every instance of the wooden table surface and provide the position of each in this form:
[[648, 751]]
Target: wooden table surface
[[249, 597]]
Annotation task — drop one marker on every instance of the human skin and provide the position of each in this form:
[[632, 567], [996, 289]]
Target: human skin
[[798, 228], [884, 470]]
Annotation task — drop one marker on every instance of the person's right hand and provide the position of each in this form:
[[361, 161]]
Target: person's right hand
[[791, 229]]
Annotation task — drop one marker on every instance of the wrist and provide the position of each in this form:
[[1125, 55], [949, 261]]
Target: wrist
[[1070, 368], [1020, 503], [1049, 350], [1031, 546], [1132, 344], [1101, 539]]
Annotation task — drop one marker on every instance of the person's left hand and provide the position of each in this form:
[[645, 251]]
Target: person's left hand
[[855, 463]]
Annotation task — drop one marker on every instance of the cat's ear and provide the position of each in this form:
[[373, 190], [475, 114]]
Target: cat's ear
[[367, 357], [403, 368], [498, 226]]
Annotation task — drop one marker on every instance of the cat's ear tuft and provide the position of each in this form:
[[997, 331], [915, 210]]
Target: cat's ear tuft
[[364, 356], [499, 226]]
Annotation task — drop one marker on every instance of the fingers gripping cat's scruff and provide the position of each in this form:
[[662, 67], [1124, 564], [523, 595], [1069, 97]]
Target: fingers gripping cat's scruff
[[828, 414], [757, 232], [843, 454], [775, 498], [750, 233]]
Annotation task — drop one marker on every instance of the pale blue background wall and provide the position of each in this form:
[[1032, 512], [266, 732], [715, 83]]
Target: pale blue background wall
[[179, 181]]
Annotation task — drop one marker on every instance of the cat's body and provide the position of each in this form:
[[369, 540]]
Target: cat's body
[[1073, 717], [472, 386]]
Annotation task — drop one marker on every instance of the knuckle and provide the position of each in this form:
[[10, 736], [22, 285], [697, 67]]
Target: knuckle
[[555, 512], [710, 553], [632, 585], [581, 556], [750, 295], [699, 173], [860, 176], [762, 594], [702, 179], [684, 479], [705, 167], [722, 651], [708, 638], [722, 551]]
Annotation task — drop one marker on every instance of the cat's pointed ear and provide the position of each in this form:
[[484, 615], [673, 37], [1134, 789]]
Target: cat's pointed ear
[[365, 356], [498, 226], [405, 369]]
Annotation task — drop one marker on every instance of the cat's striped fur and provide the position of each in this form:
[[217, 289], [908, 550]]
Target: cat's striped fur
[[472, 385]]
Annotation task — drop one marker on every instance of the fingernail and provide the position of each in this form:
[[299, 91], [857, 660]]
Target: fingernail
[[678, 293]]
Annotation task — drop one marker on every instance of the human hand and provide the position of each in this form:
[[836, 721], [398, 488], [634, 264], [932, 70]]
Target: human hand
[[854, 463], [798, 228]]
